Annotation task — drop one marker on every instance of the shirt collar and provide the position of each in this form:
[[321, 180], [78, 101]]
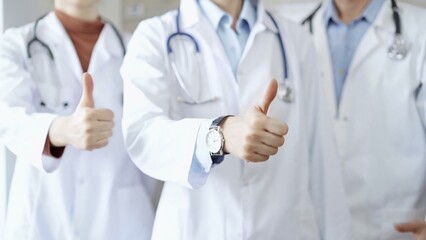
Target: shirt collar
[[215, 14], [369, 14]]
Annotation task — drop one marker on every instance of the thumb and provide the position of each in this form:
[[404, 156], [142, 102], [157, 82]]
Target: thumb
[[270, 94], [87, 95], [413, 226]]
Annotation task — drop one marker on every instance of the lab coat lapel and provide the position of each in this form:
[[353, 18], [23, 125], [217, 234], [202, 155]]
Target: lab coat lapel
[[263, 22], [62, 46], [107, 47], [321, 42], [197, 25], [370, 41]]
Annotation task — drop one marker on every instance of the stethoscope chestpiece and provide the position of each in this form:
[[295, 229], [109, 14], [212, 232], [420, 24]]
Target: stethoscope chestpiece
[[286, 92], [399, 48]]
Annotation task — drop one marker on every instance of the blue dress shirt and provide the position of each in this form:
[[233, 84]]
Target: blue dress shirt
[[233, 42], [344, 39]]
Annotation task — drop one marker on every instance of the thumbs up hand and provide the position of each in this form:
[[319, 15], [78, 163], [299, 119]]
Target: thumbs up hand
[[87, 128], [254, 136]]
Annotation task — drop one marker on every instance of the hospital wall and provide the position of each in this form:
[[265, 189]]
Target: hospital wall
[[125, 14]]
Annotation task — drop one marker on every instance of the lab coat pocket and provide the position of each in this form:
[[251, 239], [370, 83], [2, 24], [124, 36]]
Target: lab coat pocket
[[308, 227], [389, 217], [135, 213], [207, 106], [52, 99]]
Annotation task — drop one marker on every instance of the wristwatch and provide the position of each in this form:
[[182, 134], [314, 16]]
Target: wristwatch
[[215, 140]]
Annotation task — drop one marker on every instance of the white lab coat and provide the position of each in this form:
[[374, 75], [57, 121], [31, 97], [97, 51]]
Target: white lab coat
[[380, 124], [83, 195], [239, 200]]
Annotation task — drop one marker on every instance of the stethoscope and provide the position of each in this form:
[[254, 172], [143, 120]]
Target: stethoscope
[[36, 39], [285, 90], [399, 48]]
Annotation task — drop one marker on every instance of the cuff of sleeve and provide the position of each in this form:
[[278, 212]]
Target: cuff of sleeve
[[52, 151], [37, 142]]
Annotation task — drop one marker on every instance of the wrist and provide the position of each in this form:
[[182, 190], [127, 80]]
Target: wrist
[[56, 134], [226, 126]]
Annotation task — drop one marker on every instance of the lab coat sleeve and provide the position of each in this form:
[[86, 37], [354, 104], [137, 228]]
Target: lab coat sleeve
[[326, 182], [22, 129], [162, 147]]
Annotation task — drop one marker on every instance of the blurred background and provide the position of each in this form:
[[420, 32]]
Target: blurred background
[[126, 14]]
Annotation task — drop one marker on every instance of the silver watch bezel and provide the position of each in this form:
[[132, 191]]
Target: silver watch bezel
[[222, 141]]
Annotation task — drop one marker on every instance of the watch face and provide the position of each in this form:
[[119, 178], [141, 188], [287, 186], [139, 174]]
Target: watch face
[[214, 141]]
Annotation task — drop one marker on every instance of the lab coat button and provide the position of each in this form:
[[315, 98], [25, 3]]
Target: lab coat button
[[246, 184], [345, 119], [81, 181]]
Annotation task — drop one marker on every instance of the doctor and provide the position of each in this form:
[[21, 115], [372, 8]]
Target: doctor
[[185, 73], [373, 67], [73, 178]]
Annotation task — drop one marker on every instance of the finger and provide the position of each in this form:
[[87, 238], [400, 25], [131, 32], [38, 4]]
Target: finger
[[271, 139], [104, 115], [256, 157], [103, 135], [412, 226], [101, 126], [265, 150], [102, 143], [270, 94], [276, 127], [87, 94]]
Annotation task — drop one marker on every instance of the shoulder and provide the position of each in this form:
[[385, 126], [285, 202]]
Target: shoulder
[[408, 9], [291, 29], [15, 40], [156, 26], [413, 20], [295, 36]]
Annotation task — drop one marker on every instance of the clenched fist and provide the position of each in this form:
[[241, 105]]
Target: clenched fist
[[87, 128], [254, 136]]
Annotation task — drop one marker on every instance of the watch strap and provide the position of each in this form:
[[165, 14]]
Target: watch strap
[[218, 121]]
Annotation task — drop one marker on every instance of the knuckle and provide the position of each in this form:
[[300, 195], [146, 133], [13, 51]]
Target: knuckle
[[87, 129], [285, 129], [111, 113], [87, 112], [247, 156], [258, 121], [275, 151], [251, 136], [247, 147]]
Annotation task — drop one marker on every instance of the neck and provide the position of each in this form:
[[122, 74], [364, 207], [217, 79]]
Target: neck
[[88, 13], [349, 10], [232, 7]]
